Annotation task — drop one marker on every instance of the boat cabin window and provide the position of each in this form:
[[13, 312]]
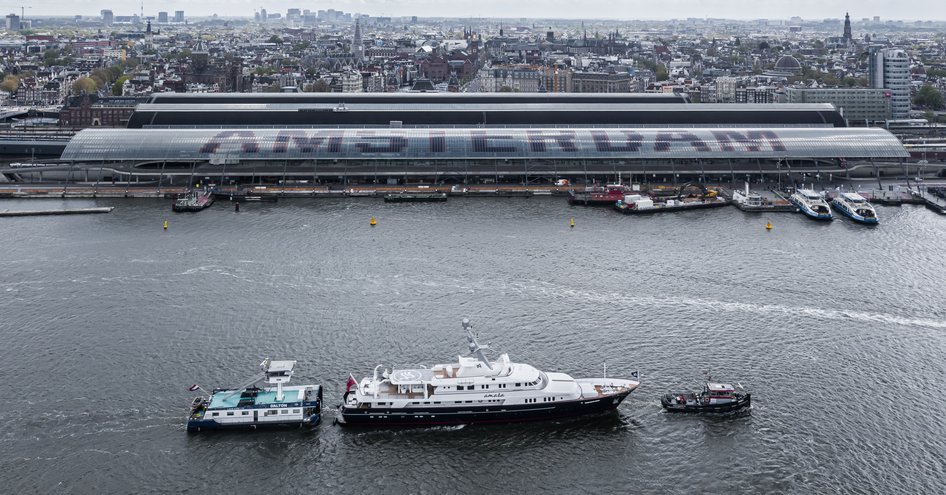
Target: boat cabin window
[[215, 414], [469, 387], [245, 413], [229, 413], [270, 412], [518, 384]]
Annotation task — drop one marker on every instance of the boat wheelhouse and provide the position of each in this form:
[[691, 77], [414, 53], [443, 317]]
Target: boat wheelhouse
[[811, 204], [475, 389], [855, 207], [715, 397], [251, 407]]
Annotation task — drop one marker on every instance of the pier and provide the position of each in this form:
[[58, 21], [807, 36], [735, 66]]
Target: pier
[[69, 211]]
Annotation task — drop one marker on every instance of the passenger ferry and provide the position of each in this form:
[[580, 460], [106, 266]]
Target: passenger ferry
[[811, 204], [855, 207], [475, 390], [251, 407]]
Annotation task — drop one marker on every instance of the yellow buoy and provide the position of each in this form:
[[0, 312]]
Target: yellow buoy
[[571, 223], [373, 222], [165, 225], [768, 226]]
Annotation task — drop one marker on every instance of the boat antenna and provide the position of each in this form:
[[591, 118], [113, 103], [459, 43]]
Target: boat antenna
[[475, 348]]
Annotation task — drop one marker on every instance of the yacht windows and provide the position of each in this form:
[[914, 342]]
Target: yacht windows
[[518, 384], [470, 387], [245, 413], [229, 413], [215, 414]]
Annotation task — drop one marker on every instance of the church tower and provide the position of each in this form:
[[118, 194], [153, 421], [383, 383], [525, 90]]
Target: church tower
[[357, 44], [848, 37]]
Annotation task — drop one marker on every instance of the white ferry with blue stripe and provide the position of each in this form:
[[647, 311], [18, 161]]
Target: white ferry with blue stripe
[[476, 390], [855, 207], [811, 204], [250, 406]]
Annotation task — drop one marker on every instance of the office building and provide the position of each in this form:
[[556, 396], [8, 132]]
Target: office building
[[890, 69], [859, 106]]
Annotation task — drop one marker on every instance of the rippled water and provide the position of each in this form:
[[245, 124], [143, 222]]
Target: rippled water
[[838, 330]]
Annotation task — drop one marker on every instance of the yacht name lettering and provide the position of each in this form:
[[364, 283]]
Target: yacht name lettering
[[493, 395], [563, 142]]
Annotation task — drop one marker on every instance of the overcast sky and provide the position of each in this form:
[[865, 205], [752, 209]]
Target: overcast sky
[[575, 9]]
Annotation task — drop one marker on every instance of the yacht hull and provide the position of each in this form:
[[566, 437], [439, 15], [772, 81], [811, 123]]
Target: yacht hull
[[491, 414]]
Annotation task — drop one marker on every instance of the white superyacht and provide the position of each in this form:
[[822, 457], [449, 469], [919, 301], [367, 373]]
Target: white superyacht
[[475, 390]]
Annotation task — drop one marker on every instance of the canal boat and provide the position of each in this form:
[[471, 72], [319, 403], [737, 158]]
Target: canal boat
[[250, 406], [193, 201], [811, 204], [714, 398], [475, 389], [855, 207]]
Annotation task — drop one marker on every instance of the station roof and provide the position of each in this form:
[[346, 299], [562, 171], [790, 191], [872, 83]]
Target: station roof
[[433, 106], [220, 98], [493, 113], [243, 144]]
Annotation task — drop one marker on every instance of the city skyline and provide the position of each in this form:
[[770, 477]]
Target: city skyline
[[560, 9]]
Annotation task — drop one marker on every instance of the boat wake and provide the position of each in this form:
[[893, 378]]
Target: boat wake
[[610, 298]]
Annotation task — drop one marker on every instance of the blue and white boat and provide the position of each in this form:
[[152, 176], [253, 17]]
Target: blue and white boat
[[811, 204], [252, 407], [855, 207]]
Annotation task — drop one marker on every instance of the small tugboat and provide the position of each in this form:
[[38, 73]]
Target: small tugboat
[[714, 398], [193, 201], [855, 207], [811, 204], [475, 390], [415, 197], [252, 407]]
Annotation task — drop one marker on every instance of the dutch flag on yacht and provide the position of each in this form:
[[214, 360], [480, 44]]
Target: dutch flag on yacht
[[194, 387]]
